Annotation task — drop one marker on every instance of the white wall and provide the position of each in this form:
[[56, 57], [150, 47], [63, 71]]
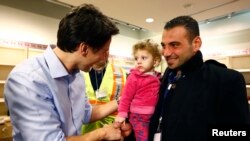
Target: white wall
[[122, 46], [25, 26], [226, 35]]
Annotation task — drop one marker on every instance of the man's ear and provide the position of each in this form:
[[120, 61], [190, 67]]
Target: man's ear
[[197, 43], [83, 48]]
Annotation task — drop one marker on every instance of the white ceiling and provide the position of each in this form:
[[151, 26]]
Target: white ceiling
[[136, 11]]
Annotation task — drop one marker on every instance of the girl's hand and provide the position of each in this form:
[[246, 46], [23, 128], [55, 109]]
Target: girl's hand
[[120, 119]]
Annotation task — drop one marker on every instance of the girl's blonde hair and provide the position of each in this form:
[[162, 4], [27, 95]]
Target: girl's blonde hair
[[150, 46]]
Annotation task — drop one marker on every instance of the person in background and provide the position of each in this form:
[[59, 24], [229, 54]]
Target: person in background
[[45, 94], [195, 96], [140, 93], [104, 83]]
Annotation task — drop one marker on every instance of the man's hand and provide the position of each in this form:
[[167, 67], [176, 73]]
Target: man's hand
[[112, 132], [125, 128]]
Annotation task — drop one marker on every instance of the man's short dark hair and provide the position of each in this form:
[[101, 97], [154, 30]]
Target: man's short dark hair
[[190, 24], [85, 24]]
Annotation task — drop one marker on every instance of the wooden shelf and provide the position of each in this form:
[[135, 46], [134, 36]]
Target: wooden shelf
[[3, 108], [243, 70], [1, 90], [7, 65], [5, 70], [1, 100], [6, 131], [12, 56], [240, 62], [246, 75]]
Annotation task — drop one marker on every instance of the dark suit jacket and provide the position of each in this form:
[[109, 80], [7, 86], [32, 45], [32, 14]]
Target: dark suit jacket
[[205, 96]]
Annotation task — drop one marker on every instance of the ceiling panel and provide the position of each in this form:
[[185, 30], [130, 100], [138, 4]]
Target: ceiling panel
[[136, 11]]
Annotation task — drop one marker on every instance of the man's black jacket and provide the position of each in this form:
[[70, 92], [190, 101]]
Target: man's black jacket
[[206, 95]]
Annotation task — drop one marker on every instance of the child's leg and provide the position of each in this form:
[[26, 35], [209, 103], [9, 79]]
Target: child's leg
[[140, 125]]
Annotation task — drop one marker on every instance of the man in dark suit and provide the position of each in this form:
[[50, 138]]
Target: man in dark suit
[[195, 96]]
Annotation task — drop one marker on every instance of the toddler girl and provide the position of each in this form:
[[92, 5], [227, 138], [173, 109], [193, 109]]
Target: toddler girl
[[140, 93]]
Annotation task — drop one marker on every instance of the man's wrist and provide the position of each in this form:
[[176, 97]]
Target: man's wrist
[[101, 133]]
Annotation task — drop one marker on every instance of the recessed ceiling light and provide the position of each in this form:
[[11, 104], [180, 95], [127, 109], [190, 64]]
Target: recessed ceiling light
[[149, 20]]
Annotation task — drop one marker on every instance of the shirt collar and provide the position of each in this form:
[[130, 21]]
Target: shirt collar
[[54, 64]]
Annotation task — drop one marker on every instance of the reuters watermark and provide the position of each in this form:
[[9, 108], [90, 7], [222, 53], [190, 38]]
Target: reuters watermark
[[217, 132], [235, 132]]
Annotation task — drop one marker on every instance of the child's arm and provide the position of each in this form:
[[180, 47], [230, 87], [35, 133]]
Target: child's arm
[[127, 96]]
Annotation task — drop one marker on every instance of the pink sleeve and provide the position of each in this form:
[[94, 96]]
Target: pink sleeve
[[127, 96]]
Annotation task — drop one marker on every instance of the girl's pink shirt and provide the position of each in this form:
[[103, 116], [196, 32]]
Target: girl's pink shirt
[[140, 94]]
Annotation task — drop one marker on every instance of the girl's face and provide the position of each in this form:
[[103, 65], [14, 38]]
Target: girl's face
[[144, 61]]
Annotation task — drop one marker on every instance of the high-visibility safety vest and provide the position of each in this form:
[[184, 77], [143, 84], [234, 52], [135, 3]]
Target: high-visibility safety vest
[[112, 83]]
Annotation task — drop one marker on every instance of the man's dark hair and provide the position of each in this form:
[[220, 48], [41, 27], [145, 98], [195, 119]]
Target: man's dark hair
[[85, 24], [190, 24]]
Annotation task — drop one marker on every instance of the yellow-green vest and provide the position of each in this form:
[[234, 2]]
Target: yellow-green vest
[[112, 83]]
